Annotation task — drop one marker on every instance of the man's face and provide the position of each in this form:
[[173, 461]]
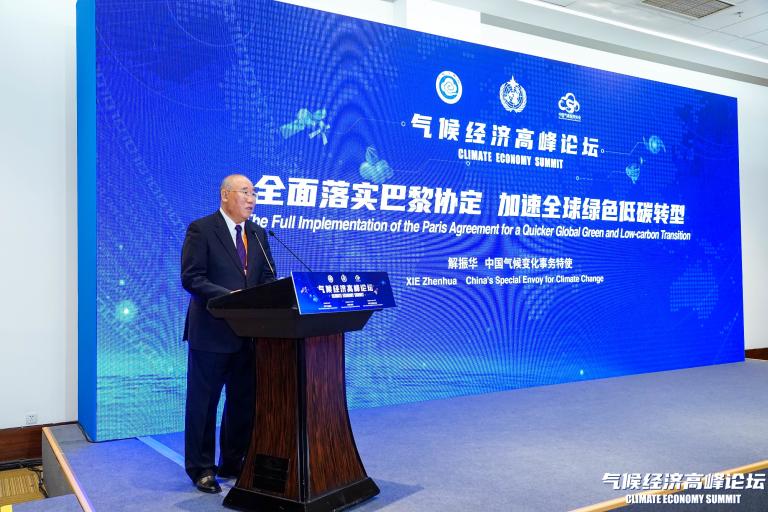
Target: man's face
[[238, 202]]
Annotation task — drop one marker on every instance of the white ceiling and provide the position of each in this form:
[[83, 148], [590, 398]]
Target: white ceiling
[[732, 42]]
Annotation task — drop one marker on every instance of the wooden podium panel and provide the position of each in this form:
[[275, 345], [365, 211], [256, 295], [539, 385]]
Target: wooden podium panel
[[333, 458], [302, 455]]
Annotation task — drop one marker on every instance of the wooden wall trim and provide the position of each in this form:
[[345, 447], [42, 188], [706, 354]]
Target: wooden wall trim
[[757, 353], [23, 442]]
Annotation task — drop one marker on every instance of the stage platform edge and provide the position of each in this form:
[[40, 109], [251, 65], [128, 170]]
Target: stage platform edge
[[60, 480]]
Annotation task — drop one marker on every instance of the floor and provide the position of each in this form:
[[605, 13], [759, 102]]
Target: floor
[[545, 448]]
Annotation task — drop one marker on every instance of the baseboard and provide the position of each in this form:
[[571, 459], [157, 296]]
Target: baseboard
[[23, 442], [756, 353]]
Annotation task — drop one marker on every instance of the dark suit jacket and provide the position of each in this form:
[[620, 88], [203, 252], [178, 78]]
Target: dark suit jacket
[[210, 267]]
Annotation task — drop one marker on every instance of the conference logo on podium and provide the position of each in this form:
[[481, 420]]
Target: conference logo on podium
[[448, 87], [568, 106], [512, 96]]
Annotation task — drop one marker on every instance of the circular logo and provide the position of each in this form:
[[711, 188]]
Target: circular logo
[[569, 104], [512, 96], [448, 87]]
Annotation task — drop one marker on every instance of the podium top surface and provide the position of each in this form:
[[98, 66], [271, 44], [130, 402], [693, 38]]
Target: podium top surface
[[314, 293], [277, 294], [304, 305]]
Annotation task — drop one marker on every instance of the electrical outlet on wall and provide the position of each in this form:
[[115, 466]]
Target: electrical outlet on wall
[[31, 418]]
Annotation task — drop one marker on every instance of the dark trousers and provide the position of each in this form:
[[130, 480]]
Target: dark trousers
[[207, 373]]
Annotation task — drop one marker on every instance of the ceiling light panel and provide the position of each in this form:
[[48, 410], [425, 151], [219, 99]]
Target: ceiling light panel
[[696, 9]]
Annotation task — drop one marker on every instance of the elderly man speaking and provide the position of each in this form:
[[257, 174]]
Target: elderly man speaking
[[222, 252]]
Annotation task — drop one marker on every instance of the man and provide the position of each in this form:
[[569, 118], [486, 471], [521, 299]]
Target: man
[[222, 253]]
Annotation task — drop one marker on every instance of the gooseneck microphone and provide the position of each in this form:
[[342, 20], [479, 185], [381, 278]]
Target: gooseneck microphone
[[256, 236], [273, 235]]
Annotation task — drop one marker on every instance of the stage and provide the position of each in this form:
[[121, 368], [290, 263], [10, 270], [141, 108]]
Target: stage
[[535, 449]]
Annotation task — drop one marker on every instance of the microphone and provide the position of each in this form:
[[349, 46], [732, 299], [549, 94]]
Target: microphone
[[256, 236], [273, 235]]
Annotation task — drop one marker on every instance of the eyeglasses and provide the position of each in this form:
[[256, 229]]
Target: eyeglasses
[[246, 193]]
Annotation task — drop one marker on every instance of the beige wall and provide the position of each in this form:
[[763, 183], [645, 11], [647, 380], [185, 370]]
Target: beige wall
[[38, 334]]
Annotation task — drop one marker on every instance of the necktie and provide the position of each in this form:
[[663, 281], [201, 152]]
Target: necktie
[[240, 246]]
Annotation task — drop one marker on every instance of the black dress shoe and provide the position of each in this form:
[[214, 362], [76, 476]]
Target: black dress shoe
[[207, 483]]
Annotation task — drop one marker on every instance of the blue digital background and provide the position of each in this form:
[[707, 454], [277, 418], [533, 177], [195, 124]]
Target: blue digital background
[[187, 92]]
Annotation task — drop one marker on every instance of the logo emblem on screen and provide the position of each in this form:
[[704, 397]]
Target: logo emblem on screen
[[448, 87], [512, 96], [330, 278], [569, 106]]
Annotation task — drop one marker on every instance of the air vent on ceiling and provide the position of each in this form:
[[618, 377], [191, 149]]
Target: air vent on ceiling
[[691, 8]]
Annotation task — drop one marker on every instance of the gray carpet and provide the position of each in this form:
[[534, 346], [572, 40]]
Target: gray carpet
[[534, 449]]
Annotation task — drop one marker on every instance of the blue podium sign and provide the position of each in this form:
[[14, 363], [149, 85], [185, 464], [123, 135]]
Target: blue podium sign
[[331, 292]]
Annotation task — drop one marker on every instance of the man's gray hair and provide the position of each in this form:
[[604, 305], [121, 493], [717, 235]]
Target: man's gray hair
[[226, 183]]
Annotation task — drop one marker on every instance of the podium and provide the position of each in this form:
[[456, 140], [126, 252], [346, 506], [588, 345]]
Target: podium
[[302, 454]]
